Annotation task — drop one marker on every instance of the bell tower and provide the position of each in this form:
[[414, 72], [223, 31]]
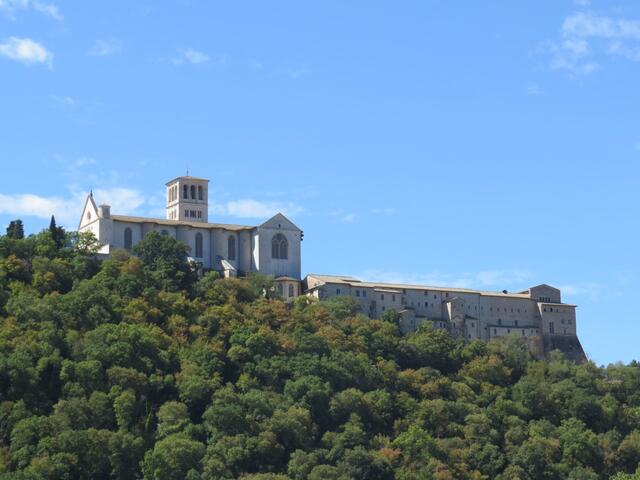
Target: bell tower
[[188, 199]]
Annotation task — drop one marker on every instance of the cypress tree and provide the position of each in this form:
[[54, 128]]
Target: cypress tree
[[57, 233]]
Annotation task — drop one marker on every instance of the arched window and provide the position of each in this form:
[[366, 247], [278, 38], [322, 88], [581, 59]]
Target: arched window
[[231, 247], [198, 245], [200, 196], [279, 246], [291, 292], [128, 240], [185, 191], [280, 289], [193, 192]]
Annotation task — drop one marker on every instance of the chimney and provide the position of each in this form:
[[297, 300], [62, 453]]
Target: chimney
[[104, 211]]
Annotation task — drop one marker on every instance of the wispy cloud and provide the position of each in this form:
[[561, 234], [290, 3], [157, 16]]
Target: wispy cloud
[[122, 200], [26, 51], [341, 215], [295, 73], [256, 64], [533, 89], [67, 209], [64, 100], [32, 205], [487, 279], [105, 48], [591, 290], [586, 36], [9, 7], [84, 161], [384, 211], [48, 9], [192, 56], [250, 208]]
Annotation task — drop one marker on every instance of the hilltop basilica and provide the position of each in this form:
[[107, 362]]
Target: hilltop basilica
[[273, 248]]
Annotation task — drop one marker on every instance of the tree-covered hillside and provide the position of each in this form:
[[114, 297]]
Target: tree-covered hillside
[[134, 367]]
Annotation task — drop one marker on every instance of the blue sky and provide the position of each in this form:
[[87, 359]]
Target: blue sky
[[492, 145]]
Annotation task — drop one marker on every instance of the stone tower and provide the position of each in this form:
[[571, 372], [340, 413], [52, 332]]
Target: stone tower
[[188, 199]]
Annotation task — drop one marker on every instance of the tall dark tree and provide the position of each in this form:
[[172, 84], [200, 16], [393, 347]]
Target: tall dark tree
[[15, 229], [57, 233]]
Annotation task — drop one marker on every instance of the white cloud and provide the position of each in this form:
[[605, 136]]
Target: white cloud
[[195, 57], [590, 290], [124, 201], [488, 279], [67, 209], [295, 73], [249, 208], [105, 48], [384, 211], [533, 90], [26, 51], [585, 36], [65, 100], [48, 9], [31, 205], [346, 217], [585, 25], [256, 64], [84, 161], [621, 49]]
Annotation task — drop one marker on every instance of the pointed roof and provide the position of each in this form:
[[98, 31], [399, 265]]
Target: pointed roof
[[88, 202], [282, 222]]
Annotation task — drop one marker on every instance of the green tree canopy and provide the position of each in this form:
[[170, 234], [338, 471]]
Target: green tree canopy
[[134, 367]]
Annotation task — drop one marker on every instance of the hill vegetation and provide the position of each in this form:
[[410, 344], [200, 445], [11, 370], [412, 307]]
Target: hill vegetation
[[134, 367]]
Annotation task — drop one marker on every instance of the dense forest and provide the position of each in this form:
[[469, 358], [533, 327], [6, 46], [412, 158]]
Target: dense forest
[[137, 367]]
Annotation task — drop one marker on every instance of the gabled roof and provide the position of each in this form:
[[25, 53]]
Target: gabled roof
[[89, 202], [281, 221]]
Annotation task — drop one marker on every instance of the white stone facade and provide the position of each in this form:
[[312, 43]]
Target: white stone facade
[[537, 315], [272, 248]]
